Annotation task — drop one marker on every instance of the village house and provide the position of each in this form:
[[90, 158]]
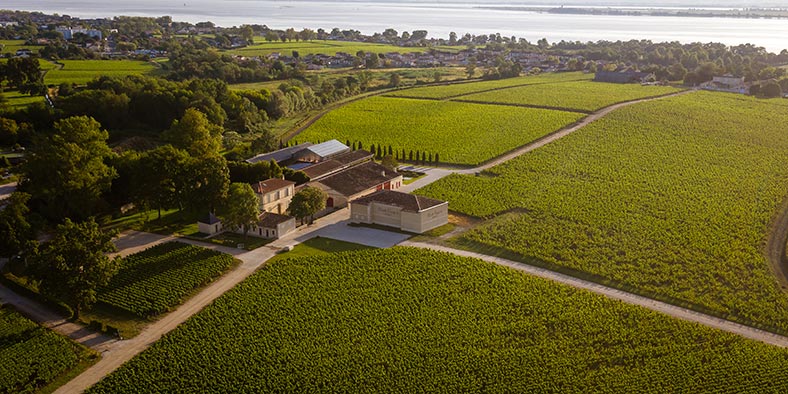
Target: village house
[[68, 32], [274, 195], [406, 212], [727, 83]]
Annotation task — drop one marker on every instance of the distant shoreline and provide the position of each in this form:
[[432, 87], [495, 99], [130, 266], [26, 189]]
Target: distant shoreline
[[744, 13]]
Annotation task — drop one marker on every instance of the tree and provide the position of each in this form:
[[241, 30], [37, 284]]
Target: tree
[[771, 90], [66, 171], [205, 182], [74, 265], [308, 202], [15, 231], [390, 162], [470, 69], [159, 177], [394, 80], [241, 208], [195, 134]]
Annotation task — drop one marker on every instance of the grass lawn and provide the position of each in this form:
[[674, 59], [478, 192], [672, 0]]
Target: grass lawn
[[172, 222], [232, 240], [16, 99], [318, 246]]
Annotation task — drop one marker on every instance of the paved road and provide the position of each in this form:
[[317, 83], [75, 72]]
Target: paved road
[[122, 351], [629, 298]]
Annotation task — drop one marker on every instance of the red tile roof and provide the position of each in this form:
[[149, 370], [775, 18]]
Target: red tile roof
[[270, 185]]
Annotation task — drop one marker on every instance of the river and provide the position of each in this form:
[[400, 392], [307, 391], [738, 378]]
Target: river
[[438, 18]]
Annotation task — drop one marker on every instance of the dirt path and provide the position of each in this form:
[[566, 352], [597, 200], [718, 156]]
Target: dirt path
[[629, 298], [42, 315], [119, 352], [562, 133], [775, 245]]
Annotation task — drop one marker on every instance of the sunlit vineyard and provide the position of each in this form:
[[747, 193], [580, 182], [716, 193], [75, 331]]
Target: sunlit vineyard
[[459, 133], [454, 90], [672, 197], [582, 96], [31, 356], [153, 281], [407, 320]]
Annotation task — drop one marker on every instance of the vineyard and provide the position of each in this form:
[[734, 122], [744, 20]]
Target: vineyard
[[83, 71], [155, 280], [459, 133], [408, 320], [32, 356], [582, 96], [672, 198], [455, 90]]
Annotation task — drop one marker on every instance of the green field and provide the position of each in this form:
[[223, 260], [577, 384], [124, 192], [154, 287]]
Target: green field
[[11, 46], [33, 356], [262, 48], [161, 277], [407, 320], [16, 99], [81, 72], [582, 96], [460, 133], [462, 89], [672, 198]]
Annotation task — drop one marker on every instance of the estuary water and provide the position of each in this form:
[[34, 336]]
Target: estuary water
[[441, 17]]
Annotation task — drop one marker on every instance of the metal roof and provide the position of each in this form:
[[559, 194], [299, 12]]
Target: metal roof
[[328, 148], [280, 155]]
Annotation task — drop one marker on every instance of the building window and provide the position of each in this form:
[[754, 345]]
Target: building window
[[287, 192], [277, 195]]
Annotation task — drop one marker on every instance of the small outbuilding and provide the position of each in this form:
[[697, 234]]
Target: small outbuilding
[[404, 211], [273, 226], [209, 224]]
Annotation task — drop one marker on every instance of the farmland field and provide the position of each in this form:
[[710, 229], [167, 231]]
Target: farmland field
[[461, 89], [459, 133], [83, 71], [672, 198], [409, 320], [583, 96], [262, 48], [154, 280], [33, 356], [11, 46]]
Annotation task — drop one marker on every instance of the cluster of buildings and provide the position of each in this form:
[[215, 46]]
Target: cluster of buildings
[[481, 57], [349, 179]]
